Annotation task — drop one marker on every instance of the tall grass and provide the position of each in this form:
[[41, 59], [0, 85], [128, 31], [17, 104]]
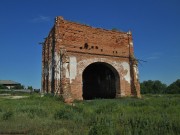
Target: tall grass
[[153, 114]]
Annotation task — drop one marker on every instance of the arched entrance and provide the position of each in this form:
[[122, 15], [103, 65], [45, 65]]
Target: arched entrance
[[100, 80]]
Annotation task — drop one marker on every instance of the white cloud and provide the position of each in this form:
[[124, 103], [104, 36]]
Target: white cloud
[[152, 58], [155, 56], [41, 18]]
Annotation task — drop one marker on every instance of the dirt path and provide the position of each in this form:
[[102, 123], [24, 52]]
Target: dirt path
[[8, 96]]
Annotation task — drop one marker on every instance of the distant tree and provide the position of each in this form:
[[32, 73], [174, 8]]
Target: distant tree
[[19, 86], [146, 86], [30, 87], [3, 87], [174, 88], [159, 87], [152, 87]]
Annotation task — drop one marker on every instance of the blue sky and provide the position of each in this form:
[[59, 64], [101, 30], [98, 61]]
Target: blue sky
[[155, 25]]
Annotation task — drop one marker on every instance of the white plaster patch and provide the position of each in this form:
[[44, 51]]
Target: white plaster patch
[[126, 67], [57, 66], [116, 64], [121, 68], [66, 68], [70, 68], [73, 67], [136, 72], [131, 43], [50, 72]]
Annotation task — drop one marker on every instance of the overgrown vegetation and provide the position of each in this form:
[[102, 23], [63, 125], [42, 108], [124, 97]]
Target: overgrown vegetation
[[3, 87], [30, 88], [157, 87], [151, 115], [174, 88], [19, 86]]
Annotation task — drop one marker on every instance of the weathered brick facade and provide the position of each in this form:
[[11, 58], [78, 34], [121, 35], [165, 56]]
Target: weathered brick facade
[[74, 52]]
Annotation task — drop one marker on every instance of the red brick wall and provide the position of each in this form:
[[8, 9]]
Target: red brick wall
[[82, 38], [87, 45]]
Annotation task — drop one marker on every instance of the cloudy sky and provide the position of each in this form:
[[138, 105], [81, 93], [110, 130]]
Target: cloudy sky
[[155, 25]]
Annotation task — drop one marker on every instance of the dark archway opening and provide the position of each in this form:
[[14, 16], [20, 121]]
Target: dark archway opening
[[100, 80]]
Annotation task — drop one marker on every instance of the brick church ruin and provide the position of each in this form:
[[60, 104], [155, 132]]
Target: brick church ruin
[[83, 62]]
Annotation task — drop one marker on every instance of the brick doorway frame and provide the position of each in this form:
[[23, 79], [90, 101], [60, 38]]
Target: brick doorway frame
[[114, 73]]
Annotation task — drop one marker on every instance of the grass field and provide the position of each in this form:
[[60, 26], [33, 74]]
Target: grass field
[[151, 115]]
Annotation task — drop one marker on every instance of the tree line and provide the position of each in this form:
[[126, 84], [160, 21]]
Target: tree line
[[157, 87], [19, 86], [147, 87]]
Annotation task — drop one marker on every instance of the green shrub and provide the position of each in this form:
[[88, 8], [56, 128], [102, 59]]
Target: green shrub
[[3, 87], [62, 131], [64, 113], [34, 111], [101, 129], [7, 115]]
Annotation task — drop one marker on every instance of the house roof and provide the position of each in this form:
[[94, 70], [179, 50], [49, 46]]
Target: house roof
[[8, 82]]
